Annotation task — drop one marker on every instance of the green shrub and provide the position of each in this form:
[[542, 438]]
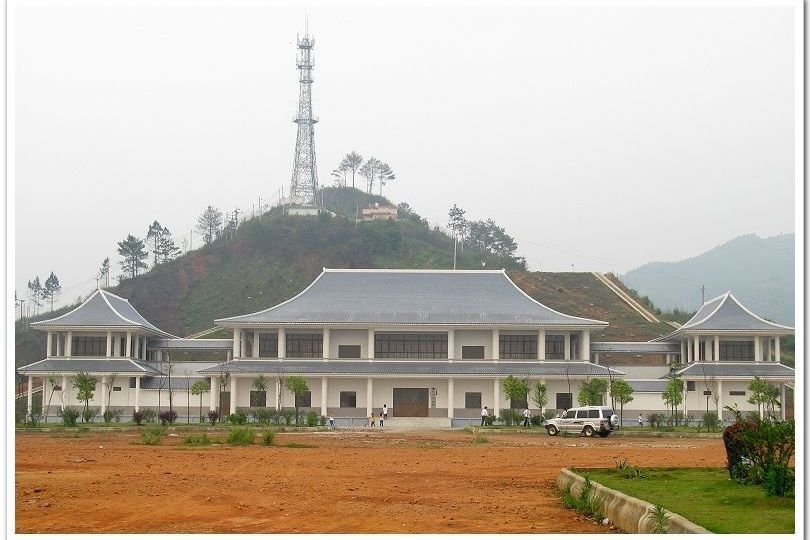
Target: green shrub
[[262, 416], [167, 417], [656, 420], [711, 421], [778, 481], [288, 416], [111, 415], [510, 417], [241, 436], [150, 416], [489, 420], [138, 417], [152, 436], [538, 420], [70, 416], [276, 417], [322, 420], [88, 415], [312, 419], [661, 519], [238, 418], [269, 438], [197, 439], [759, 451], [480, 439]]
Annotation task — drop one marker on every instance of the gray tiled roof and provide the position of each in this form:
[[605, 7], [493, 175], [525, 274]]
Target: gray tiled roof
[[102, 310], [192, 344], [648, 386], [177, 383], [75, 365], [410, 367], [738, 369], [635, 347], [725, 314], [411, 297]]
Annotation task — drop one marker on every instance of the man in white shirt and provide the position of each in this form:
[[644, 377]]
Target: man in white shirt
[[385, 411], [484, 414], [527, 414]]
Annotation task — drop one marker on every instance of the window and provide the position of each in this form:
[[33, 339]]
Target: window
[[737, 351], [472, 352], [304, 400], [304, 346], [132, 382], [348, 400], [349, 351], [593, 413], [116, 388], [737, 393], [570, 414], [582, 414], [268, 345], [258, 398], [89, 346], [555, 347], [564, 400], [410, 345], [518, 347], [690, 386], [472, 400]]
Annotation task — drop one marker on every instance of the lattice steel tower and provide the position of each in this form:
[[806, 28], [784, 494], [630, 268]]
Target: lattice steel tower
[[305, 169]]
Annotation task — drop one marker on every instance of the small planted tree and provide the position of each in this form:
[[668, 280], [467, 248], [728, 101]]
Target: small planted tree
[[540, 396], [591, 391], [198, 389], [260, 385], [621, 392], [673, 396], [765, 396], [52, 383], [298, 387], [85, 386], [515, 389]]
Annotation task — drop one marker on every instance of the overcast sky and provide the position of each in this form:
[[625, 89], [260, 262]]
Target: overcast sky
[[600, 137]]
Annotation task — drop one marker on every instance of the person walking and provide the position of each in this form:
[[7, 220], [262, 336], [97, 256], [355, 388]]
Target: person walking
[[640, 421], [385, 411], [331, 421], [484, 414], [527, 414], [382, 418]]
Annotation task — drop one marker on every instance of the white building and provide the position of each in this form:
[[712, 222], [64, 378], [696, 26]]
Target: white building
[[424, 343]]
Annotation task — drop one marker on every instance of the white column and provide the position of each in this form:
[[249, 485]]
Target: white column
[[370, 345], [212, 399], [543, 408], [49, 345], [541, 344], [689, 349], [137, 346], [776, 349], [585, 346], [596, 359], [450, 390], [327, 346], [255, 348], [370, 396], [716, 348], [684, 356], [58, 344], [30, 394], [496, 344], [567, 349], [278, 394], [282, 343], [103, 394], [243, 343], [451, 345], [324, 392], [496, 390], [129, 343], [237, 343], [757, 349], [69, 343], [696, 354], [685, 394], [720, 399], [768, 349], [782, 395], [137, 394], [234, 390], [109, 343], [64, 391], [144, 342]]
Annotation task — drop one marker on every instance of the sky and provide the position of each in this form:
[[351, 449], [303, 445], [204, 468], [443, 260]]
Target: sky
[[601, 138]]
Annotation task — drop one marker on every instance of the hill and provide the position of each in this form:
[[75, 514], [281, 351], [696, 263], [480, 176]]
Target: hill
[[759, 271], [273, 257]]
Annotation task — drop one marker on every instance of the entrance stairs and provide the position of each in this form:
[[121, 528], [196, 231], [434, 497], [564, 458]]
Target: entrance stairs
[[413, 423]]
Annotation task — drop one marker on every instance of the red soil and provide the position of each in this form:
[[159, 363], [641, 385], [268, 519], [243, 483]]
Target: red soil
[[366, 482]]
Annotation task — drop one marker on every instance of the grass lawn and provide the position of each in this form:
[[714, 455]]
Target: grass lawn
[[707, 497]]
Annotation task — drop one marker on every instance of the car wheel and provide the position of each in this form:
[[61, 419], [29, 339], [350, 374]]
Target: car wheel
[[588, 431], [604, 434], [552, 430]]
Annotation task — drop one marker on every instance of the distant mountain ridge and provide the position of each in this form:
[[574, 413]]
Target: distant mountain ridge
[[759, 271]]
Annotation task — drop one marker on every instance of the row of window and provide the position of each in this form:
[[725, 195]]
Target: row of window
[[97, 346]]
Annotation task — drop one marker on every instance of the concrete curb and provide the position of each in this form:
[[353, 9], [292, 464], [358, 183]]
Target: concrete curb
[[628, 513]]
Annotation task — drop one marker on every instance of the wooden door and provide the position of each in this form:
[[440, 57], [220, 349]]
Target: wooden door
[[410, 402]]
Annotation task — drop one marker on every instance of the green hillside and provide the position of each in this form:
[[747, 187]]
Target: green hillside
[[275, 256]]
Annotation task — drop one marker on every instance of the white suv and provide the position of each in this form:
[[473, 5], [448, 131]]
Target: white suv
[[586, 420]]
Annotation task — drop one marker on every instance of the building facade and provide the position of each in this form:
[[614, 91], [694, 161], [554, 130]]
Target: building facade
[[422, 343]]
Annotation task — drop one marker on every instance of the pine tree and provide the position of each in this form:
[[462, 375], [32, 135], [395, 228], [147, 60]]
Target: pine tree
[[209, 224], [351, 162], [52, 288], [385, 175], [155, 234], [369, 171], [35, 293], [167, 249], [104, 272], [134, 254]]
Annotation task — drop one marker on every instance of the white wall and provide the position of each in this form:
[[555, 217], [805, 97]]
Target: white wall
[[348, 337], [474, 337]]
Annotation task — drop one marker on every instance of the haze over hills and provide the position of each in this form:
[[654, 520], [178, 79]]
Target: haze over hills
[[759, 271]]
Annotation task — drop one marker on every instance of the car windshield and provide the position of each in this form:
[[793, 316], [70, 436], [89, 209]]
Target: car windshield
[[570, 414]]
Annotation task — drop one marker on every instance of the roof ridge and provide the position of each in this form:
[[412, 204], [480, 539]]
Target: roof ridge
[[116, 311], [731, 295], [97, 291], [413, 270], [707, 317]]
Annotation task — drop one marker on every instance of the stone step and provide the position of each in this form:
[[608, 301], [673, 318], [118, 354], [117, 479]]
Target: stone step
[[417, 423]]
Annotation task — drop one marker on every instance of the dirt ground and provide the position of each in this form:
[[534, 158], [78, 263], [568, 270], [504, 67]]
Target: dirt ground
[[382, 482]]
